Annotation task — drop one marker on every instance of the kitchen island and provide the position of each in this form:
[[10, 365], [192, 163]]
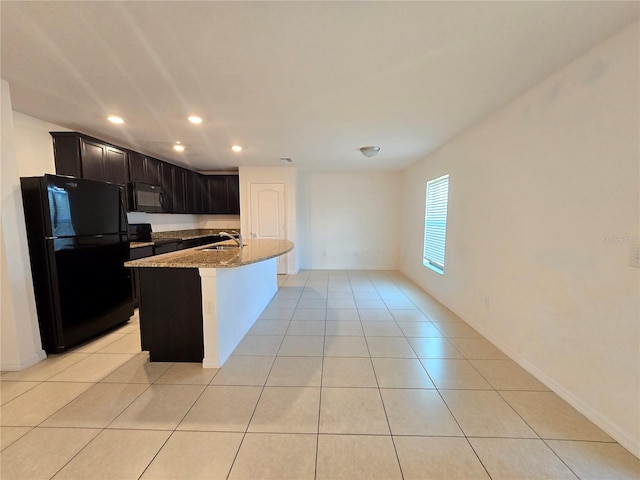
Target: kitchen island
[[196, 305]]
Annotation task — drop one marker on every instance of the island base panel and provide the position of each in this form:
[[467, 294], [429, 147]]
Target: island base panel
[[232, 301], [171, 314]]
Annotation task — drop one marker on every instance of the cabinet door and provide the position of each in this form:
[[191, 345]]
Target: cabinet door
[[217, 193], [66, 152], [224, 194], [153, 171], [92, 156], [168, 172], [179, 201], [137, 167], [115, 165], [190, 192], [194, 192], [200, 193], [145, 169], [233, 196]]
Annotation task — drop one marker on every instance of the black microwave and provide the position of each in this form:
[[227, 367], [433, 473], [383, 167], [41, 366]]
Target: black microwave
[[146, 198]]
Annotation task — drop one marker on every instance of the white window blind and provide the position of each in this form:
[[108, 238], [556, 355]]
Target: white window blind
[[435, 223]]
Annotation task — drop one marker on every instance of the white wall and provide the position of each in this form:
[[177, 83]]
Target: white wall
[[219, 221], [34, 145], [286, 176], [163, 222], [349, 220], [20, 339], [543, 212]]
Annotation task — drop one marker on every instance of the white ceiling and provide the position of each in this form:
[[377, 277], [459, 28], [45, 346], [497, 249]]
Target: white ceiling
[[313, 81]]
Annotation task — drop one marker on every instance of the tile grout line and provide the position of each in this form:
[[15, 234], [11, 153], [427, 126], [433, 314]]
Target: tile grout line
[[384, 408], [324, 343]]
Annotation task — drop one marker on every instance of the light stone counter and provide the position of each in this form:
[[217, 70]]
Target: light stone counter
[[232, 288], [140, 244], [189, 234], [254, 251]]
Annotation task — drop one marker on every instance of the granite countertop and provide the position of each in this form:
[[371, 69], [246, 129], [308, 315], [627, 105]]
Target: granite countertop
[[254, 251], [140, 244], [182, 235], [189, 234]]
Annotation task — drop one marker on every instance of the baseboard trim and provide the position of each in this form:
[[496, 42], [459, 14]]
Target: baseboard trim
[[23, 364]]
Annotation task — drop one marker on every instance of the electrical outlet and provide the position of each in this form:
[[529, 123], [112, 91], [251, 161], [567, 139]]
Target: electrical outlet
[[634, 259], [208, 307]]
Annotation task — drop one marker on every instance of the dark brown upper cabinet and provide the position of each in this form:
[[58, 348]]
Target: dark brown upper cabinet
[[223, 194], [137, 167], [179, 190], [233, 184], [154, 171], [195, 187], [168, 186], [145, 169], [201, 193], [184, 191], [82, 156]]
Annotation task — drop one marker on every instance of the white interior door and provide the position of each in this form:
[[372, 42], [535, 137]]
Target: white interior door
[[268, 214]]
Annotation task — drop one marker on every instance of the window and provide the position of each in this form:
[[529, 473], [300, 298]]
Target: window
[[435, 223]]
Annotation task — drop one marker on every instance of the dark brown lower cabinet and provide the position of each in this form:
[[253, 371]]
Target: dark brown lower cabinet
[[134, 254], [171, 314]]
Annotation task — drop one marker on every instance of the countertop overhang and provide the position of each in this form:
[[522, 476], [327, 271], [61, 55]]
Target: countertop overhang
[[255, 250]]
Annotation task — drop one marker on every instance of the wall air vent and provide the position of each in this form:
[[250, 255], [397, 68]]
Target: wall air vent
[[286, 160]]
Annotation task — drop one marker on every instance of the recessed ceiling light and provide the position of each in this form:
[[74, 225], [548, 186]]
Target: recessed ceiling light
[[195, 119], [236, 148], [115, 119], [178, 147]]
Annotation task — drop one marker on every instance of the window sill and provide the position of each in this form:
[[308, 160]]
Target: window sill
[[433, 267]]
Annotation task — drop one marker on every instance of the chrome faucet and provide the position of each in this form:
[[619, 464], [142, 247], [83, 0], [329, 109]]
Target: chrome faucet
[[237, 238]]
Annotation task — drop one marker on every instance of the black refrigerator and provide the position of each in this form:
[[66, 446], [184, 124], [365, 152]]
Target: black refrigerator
[[78, 243]]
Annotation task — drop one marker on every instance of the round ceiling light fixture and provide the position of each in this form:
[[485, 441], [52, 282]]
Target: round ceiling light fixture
[[195, 119], [370, 151], [236, 148], [115, 119], [178, 147]]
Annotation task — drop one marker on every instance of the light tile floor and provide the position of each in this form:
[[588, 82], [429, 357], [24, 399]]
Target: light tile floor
[[346, 375]]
